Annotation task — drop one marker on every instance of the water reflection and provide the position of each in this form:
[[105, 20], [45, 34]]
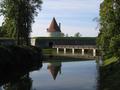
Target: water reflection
[[54, 68], [24, 83], [17, 77], [79, 75]]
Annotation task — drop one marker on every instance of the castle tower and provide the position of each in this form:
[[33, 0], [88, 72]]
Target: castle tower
[[54, 30]]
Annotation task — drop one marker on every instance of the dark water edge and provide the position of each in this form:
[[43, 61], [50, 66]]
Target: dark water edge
[[109, 77], [64, 58], [16, 72]]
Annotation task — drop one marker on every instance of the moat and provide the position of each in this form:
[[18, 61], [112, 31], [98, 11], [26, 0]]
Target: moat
[[79, 75], [70, 75]]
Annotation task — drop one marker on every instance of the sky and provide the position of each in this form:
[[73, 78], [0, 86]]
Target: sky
[[74, 16]]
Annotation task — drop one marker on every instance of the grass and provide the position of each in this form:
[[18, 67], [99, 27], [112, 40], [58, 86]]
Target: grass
[[110, 61], [49, 51]]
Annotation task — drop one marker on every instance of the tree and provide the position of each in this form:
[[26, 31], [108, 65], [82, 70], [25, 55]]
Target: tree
[[25, 83], [109, 26], [66, 35], [106, 24], [8, 27], [115, 46], [19, 16], [77, 34], [62, 34], [2, 32]]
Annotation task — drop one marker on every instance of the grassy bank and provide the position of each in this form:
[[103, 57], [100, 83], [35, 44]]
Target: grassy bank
[[110, 74]]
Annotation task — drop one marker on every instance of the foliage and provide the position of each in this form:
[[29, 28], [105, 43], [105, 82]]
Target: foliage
[[109, 25], [15, 62], [77, 34], [62, 34], [66, 35], [67, 38], [8, 27], [109, 61], [2, 32], [109, 42], [19, 15], [19, 55], [115, 45], [25, 83]]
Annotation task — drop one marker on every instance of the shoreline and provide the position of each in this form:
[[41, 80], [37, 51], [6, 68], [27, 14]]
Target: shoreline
[[110, 74], [63, 58]]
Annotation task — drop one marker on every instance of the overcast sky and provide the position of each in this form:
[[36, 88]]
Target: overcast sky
[[74, 16]]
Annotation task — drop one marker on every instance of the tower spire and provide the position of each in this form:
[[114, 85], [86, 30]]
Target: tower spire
[[54, 26]]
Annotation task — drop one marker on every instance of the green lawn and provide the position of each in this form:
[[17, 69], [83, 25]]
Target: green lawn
[[110, 61]]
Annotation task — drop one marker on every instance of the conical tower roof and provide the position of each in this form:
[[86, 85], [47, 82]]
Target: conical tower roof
[[54, 26]]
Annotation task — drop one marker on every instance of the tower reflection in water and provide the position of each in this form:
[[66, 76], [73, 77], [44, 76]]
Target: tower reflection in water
[[54, 68]]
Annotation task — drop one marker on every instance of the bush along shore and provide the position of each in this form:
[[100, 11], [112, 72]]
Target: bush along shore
[[110, 74], [19, 54], [18, 60]]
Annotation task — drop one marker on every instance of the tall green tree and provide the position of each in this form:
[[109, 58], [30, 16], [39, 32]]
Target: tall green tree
[[8, 28], [109, 25], [2, 32], [115, 45], [19, 16]]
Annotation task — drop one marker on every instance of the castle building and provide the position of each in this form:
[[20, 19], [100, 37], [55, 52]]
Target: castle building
[[55, 38], [54, 29]]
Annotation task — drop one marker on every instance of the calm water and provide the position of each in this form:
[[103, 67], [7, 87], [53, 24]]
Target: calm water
[[79, 75]]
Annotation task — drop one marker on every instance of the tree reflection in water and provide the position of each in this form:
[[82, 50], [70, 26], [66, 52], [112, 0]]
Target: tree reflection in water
[[17, 77], [24, 83]]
